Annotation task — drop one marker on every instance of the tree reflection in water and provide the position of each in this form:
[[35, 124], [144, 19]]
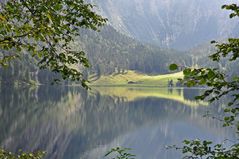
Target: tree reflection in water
[[71, 123]]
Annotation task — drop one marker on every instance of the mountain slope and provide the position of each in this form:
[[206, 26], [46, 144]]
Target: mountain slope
[[110, 52], [169, 23]]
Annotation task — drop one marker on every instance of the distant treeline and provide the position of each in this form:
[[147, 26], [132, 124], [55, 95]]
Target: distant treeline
[[111, 52], [108, 52]]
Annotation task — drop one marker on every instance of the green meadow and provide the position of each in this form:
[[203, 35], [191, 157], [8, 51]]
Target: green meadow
[[134, 79]]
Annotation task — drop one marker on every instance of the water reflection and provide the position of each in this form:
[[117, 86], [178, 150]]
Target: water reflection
[[125, 94], [70, 123]]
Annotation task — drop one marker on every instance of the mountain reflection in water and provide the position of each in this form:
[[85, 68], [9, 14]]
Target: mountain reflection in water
[[70, 123]]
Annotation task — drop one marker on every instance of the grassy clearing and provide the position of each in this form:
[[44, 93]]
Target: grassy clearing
[[132, 78]]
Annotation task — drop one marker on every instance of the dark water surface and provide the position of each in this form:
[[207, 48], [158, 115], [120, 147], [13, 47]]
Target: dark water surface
[[70, 123]]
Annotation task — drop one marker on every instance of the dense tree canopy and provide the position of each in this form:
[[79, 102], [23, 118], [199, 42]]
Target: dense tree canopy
[[44, 30]]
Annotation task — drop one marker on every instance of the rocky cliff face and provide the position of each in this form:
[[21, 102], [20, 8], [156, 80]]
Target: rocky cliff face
[[179, 24]]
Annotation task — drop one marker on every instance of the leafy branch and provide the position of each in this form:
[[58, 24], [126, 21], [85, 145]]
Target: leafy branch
[[44, 30]]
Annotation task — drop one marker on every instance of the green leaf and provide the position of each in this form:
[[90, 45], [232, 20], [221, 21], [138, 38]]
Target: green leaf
[[45, 28], [213, 42], [211, 74], [186, 142], [191, 83], [187, 71], [173, 67]]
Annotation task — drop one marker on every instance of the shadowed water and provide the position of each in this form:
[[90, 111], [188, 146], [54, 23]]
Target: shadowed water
[[70, 123]]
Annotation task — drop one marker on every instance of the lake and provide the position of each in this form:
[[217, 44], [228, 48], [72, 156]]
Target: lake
[[70, 123]]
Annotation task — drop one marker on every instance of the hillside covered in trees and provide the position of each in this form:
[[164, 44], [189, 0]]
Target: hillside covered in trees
[[108, 51]]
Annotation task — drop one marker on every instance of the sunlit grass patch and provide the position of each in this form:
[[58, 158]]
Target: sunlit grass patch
[[132, 78]]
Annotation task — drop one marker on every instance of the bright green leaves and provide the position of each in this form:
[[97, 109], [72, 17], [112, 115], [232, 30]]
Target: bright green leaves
[[22, 155], [187, 71], [218, 86], [45, 30], [229, 49], [232, 7], [204, 149], [173, 67], [120, 153], [197, 149], [202, 76]]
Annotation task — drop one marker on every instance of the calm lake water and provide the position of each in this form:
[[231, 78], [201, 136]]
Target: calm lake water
[[70, 123]]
